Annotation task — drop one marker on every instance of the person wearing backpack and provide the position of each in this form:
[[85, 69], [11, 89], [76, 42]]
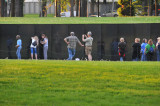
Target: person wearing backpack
[[158, 49], [33, 46], [149, 50]]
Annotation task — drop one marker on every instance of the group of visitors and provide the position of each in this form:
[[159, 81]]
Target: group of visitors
[[143, 52], [33, 46], [72, 40]]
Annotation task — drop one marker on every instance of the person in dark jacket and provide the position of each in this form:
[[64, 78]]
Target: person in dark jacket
[[9, 46], [136, 50], [121, 49]]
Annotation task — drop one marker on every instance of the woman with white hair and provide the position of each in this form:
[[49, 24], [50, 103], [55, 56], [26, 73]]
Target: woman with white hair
[[121, 49]]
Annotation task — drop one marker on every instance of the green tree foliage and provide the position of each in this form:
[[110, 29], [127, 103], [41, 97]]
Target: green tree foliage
[[61, 6], [127, 8], [64, 4], [144, 7]]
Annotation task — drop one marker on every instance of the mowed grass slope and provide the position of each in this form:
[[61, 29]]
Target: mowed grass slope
[[78, 20], [79, 83]]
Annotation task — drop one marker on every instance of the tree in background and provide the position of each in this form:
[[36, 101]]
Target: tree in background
[[19, 8], [146, 7], [127, 8], [44, 10], [92, 6], [12, 8], [16, 8], [3, 8], [72, 5], [83, 9], [77, 7], [60, 6], [155, 7]]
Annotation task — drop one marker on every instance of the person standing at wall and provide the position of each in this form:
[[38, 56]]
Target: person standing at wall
[[136, 50], [45, 46], [33, 46], [9, 46], [158, 49], [71, 41], [121, 49], [149, 50], [143, 45], [114, 50], [88, 44], [18, 46]]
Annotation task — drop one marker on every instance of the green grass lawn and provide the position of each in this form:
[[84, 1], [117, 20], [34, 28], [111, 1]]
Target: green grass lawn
[[83, 20], [36, 15], [79, 83]]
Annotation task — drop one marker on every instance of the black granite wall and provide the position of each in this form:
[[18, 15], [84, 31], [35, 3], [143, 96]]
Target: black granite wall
[[103, 34]]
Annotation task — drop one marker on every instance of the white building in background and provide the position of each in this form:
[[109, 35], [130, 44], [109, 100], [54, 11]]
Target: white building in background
[[33, 7]]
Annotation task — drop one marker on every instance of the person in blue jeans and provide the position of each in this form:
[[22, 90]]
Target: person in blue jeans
[[33, 46], [71, 41], [18, 46], [158, 48], [143, 45]]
